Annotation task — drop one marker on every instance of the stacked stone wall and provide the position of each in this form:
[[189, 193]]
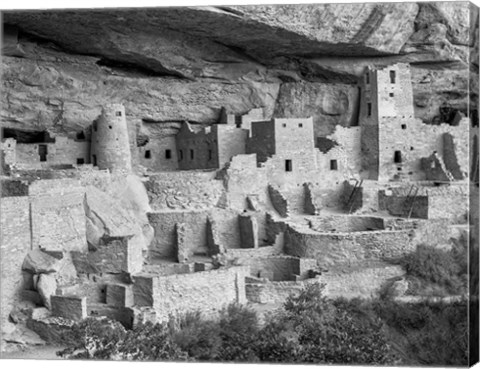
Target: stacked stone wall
[[206, 291]]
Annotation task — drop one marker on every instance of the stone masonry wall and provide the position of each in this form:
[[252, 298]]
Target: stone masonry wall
[[205, 291], [164, 242], [274, 292], [15, 243], [334, 249], [231, 142], [58, 215], [184, 190]]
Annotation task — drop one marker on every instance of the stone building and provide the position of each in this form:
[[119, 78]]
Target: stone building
[[210, 147], [394, 141], [110, 145]]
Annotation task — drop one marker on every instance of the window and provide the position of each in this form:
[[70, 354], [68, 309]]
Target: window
[[191, 154], [369, 109], [118, 113], [392, 76], [367, 78], [390, 94], [168, 154], [94, 159], [210, 155], [180, 154], [110, 127], [80, 161], [397, 157], [42, 152], [411, 148], [288, 165], [404, 126], [300, 125], [95, 126], [333, 164], [148, 154], [284, 125]]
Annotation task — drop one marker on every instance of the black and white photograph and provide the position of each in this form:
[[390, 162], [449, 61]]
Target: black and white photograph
[[250, 183]]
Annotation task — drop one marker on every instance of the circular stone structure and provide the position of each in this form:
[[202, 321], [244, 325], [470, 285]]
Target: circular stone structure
[[110, 145]]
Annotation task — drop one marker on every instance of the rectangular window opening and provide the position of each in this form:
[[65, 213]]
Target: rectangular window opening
[[148, 154], [369, 109], [288, 165], [80, 161], [391, 94], [180, 154], [192, 155], [168, 154], [300, 125], [42, 152], [404, 126], [392, 76], [210, 154], [367, 78], [118, 113], [333, 164], [397, 157]]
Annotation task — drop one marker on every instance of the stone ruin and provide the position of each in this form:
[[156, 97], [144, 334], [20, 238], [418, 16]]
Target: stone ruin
[[249, 210]]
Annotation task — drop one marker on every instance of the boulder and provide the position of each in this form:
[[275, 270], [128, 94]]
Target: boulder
[[37, 262], [46, 286]]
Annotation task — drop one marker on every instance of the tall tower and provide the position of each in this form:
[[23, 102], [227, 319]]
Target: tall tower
[[386, 110], [110, 147]]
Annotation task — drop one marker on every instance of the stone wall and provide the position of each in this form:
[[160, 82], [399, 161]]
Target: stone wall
[[262, 140], [231, 142], [266, 292], [205, 291], [362, 282], [114, 255], [58, 215], [278, 268], [159, 154], [63, 151], [248, 230], [279, 202], [334, 249], [164, 242], [401, 205], [345, 223], [15, 243], [184, 190], [197, 148]]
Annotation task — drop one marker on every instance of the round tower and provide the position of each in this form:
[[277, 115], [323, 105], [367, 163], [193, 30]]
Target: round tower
[[110, 148]]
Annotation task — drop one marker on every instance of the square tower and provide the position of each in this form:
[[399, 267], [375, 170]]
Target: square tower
[[386, 108]]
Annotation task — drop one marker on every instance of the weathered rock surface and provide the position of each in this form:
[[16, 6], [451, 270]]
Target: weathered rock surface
[[46, 286], [172, 64], [37, 262]]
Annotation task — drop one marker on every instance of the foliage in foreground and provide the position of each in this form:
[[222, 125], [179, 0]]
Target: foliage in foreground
[[308, 329]]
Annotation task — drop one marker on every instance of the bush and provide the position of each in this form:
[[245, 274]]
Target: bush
[[445, 268]]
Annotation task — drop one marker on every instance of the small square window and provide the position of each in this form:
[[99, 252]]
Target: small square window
[[80, 161], [390, 94], [284, 125], [168, 154], [333, 164], [404, 126], [118, 113], [180, 154], [300, 125], [369, 109], [192, 154], [148, 154], [411, 148]]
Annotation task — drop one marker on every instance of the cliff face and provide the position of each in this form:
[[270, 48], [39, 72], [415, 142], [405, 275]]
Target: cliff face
[[172, 64]]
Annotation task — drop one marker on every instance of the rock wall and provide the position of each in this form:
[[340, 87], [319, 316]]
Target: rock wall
[[15, 244], [205, 291]]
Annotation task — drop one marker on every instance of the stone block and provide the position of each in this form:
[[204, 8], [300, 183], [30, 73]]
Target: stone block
[[46, 287], [69, 307], [119, 295], [181, 243], [40, 313], [37, 262]]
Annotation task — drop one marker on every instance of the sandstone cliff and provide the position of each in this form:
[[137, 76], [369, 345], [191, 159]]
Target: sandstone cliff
[[173, 64]]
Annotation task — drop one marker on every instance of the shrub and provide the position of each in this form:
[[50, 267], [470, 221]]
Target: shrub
[[438, 266]]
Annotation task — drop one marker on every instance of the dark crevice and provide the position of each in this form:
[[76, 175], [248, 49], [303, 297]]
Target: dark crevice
[[132, 68], [226, 9], [27, 137], [166, 121]]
